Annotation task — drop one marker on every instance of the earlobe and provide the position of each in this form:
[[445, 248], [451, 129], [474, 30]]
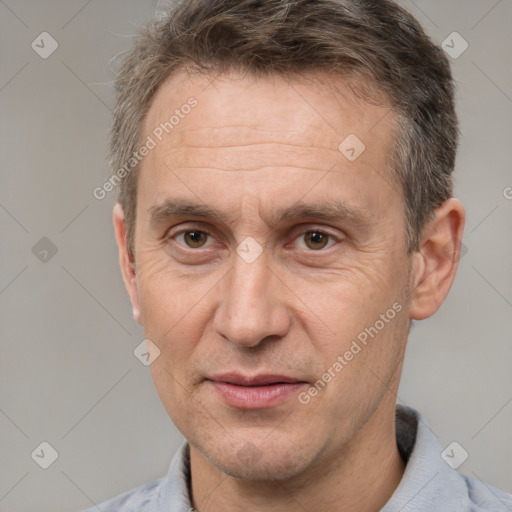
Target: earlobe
[[126, 260], [437, 260]]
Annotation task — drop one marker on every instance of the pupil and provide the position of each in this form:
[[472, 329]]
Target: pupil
[[317, 238], [195, 236]]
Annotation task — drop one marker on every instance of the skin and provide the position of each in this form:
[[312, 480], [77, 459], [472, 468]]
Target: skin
[[249, 148]]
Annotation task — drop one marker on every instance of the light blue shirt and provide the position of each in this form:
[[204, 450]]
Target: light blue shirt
[[429, 483]]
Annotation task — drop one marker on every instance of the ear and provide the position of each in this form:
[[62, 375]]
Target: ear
[[437, 259], [126, 260]]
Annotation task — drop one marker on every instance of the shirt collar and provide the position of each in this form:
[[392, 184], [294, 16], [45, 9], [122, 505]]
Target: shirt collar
[[428, 482]]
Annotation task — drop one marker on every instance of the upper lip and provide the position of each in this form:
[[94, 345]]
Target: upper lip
[[256, 380]]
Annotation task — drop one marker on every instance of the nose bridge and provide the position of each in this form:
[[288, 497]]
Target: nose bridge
[[251, 309]]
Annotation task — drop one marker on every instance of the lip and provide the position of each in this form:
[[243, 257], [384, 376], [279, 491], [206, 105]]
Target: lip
[[257, 392]]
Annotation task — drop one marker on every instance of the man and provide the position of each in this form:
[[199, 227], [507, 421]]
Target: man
[[285, 211]]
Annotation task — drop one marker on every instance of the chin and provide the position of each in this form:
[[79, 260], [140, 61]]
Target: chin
[[259, 460]]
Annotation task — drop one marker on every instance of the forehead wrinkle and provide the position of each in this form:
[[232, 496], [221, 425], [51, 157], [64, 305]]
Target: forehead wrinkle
[[259, 155], [222, 136], [272, 143], [255, 169], [236, 128]]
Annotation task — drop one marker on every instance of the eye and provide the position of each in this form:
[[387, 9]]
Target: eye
[[193, 238], [316, 240]]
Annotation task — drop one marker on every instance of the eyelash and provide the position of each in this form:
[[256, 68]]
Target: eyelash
[[313, 230]]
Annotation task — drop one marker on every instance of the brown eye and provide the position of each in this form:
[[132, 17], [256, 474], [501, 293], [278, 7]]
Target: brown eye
[[316, 239], [194, 239]]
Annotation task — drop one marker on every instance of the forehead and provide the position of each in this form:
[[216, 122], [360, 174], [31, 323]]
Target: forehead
[[240, 124], [313, 107]]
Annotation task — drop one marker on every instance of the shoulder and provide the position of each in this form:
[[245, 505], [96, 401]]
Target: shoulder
[[140, 499], [484, 497], [171, 492], [430, 481]]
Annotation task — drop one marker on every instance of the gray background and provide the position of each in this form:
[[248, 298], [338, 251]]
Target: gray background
[[68, 375]]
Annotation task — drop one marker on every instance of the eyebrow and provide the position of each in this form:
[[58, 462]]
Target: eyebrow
[[331, 210]]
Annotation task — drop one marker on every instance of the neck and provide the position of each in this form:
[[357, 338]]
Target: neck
[[360, 476]]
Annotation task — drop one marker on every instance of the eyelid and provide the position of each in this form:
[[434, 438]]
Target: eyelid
[[317, 229], [183, 227], [172, 236], [320, 228]]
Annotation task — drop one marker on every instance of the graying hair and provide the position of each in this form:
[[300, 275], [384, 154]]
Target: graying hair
[[375, 45]]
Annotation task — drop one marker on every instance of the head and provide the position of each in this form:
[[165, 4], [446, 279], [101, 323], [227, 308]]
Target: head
[[291, 213]]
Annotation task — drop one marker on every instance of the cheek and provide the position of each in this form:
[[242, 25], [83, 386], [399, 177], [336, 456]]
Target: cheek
[[348, 299], [169, 316], [165, 294], [174, 317], [175, 311], [357, 315], [362, 347]]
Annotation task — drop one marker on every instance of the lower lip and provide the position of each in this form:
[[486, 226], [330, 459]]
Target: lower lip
[[255, 397]]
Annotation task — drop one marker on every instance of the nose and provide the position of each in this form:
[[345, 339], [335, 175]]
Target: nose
[[252, 307]]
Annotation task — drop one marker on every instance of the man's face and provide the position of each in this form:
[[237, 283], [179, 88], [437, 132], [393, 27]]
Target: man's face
[[253, 150]]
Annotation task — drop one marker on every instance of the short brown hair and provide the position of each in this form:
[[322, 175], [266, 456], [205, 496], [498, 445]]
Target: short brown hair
[[374, 41]]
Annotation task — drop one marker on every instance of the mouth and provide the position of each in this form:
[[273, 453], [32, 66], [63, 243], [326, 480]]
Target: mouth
[[256, 392]]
